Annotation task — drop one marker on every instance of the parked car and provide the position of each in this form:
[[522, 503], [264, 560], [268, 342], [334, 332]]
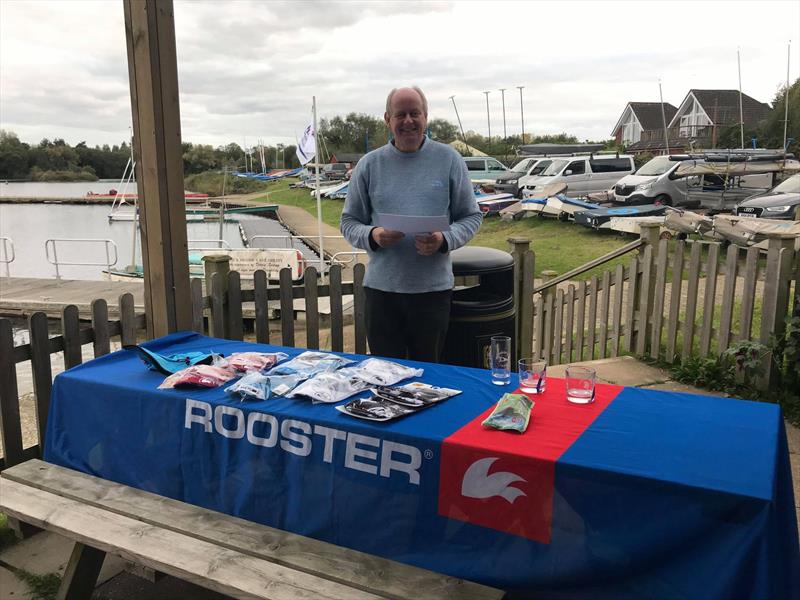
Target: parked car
[[512, 182], [781, 202], [336, 171], [484, 168], [654, 183], [582, 174]]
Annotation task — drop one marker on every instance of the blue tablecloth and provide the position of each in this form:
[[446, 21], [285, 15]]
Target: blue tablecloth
[[643, 494]]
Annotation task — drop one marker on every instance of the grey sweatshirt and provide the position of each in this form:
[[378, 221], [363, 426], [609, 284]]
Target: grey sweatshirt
[[432, 181]]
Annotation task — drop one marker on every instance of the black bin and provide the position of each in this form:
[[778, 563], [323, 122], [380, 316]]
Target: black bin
[[483, 305]]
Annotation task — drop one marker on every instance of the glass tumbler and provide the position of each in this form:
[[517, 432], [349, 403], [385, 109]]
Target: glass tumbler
[[500, 359], [532, 375], [580, 384]]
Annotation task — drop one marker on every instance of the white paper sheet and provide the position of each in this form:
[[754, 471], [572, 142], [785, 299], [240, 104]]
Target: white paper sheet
[[412, 223]]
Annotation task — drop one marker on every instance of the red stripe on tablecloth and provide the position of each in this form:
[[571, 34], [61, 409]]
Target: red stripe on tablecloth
[[554, 426]]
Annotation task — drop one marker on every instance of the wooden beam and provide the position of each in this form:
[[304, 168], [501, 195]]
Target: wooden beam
[[153, 74]]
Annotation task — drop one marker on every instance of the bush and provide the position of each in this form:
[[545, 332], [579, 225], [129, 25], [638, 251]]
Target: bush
[[210, 182]]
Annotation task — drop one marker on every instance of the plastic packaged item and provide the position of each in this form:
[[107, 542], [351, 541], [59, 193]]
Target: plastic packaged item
[[255, 361], [375, 409], [331, 386], [378, 371], [281, 385], [199, 375], [418, 395], [512, 412], [170, 363], [309, 363], [253, 386]]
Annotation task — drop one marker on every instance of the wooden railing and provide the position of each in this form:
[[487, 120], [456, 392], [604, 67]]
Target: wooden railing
[[220, 314], [674, 300]]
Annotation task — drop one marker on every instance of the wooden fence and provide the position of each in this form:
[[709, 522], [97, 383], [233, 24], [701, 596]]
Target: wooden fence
[[671, 300]]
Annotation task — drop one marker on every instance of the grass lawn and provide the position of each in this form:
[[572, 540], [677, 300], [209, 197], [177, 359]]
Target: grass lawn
[[558, 246]]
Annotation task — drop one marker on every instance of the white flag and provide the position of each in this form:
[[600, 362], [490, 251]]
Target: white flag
[[307, 146]]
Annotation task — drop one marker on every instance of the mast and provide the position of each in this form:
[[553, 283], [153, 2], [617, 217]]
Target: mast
[[786, 96], [741, 118], [663, 118]]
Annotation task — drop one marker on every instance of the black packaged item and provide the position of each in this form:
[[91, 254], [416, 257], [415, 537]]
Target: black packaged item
[[416, 399], [375, 408], [418, 395]]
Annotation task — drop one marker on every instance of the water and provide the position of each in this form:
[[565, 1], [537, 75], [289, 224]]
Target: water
[[29, 225], [501, 376], [533, 384], [64, 190], [580, 395]]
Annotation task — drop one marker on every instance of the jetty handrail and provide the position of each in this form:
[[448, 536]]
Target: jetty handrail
[[54, 260], [5, 258], [601, 260], [352, 256], [291, 238], [221, 244]]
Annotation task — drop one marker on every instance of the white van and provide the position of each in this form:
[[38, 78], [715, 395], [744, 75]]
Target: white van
[[582, 174], [655, 183]]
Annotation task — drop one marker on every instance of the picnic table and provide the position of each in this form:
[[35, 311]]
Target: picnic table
[[643, 493]]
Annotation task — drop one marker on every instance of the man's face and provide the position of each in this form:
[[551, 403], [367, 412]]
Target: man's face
[[407, 120]]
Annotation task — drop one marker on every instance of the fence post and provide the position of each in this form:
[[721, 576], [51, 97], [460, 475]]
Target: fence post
[[775, 307], [221, 266], [524, 262], [649, 233], [549, 315]]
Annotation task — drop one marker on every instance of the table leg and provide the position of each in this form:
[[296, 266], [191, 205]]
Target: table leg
[[81, 574]]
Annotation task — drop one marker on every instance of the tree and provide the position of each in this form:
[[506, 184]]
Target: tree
[[442, 130]]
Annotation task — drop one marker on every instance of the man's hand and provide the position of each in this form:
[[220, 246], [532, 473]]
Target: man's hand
[[428, 243], [386, 237]]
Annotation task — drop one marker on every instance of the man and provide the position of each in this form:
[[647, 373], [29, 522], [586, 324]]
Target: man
[[409, 279]]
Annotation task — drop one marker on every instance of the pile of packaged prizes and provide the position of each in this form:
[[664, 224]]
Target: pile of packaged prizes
[[321, 377]]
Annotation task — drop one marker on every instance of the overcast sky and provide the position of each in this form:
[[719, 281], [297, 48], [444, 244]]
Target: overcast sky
[[248, 70]]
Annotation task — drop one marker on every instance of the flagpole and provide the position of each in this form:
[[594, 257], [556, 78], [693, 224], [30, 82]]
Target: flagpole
[[786, 98], [319, 199], [741, 118]]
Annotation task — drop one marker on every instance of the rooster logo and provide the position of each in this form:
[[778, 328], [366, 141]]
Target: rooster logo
[[477, 482]]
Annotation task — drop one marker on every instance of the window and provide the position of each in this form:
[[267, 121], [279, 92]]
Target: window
[[475, 165], [496, 166], [610, 165], [578, 167], [540, 167]]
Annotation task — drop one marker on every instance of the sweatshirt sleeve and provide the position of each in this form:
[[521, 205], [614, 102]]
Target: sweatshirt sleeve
[[356, 222], [465, 215]]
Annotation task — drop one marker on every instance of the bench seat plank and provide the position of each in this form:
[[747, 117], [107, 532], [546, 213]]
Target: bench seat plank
[[386, 578], [219, 569]]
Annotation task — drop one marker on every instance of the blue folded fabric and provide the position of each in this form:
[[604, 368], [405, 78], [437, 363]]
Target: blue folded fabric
[[170, 363]]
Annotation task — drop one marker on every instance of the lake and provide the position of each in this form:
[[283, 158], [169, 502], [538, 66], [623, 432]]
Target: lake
[[65, 190]]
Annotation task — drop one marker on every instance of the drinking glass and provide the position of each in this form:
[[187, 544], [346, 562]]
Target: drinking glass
[[500, 359], [532, 375], [580, 384]]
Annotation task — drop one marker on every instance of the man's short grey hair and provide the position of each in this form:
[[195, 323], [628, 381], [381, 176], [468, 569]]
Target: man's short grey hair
[[416, 89]]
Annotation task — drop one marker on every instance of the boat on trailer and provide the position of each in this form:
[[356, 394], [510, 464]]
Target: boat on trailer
[[599, 216]]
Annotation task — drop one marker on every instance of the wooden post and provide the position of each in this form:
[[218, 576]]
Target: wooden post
[[775, 305], [549, 317], [153, 75], [219, 265], [649, 233], [524, 263]]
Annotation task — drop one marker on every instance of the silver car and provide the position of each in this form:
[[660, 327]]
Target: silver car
[[781, 202]]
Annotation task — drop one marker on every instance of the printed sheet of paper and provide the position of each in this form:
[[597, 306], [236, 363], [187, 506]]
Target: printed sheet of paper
[[413, 223]]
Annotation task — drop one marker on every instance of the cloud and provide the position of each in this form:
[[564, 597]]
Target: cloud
[[250, 69]]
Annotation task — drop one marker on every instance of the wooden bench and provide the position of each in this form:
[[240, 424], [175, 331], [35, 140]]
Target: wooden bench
[[223, 553]]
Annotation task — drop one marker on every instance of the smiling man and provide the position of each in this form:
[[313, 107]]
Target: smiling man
[[409, 279]]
